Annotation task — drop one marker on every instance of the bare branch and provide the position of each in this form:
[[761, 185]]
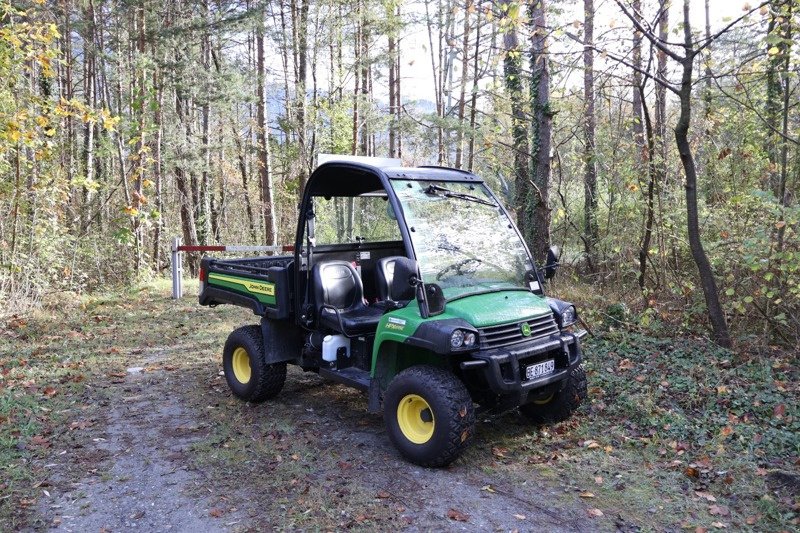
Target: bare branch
[[648, 33], [649, 75], [728, 27]]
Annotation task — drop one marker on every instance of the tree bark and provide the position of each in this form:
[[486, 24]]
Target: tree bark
[[537, 228], [462, 95], [262, 134], [716, 314], [473, 106], [512, 73], [590, 167]]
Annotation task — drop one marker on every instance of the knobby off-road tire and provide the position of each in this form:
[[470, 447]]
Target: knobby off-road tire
[[429, 415], [248, 374], [562, 404]]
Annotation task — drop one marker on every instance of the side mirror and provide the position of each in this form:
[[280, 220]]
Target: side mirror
[[404, 280], [551, 262]]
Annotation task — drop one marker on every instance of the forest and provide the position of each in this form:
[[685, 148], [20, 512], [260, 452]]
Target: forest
[[655, 142]]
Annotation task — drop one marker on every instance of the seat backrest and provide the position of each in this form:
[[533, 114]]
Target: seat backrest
[[338, 284], [384, 274]]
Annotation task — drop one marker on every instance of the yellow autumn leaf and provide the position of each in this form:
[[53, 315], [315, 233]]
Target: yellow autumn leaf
[[42, 121], [130, 210], [110, 123], [773, 51], [147, 184]]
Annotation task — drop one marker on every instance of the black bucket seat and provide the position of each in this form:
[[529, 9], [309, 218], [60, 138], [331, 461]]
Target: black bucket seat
[[339, 297]]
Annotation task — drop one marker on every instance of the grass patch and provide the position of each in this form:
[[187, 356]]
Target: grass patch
[[678, 434]]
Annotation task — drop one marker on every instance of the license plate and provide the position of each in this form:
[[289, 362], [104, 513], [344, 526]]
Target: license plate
[[540, 369]]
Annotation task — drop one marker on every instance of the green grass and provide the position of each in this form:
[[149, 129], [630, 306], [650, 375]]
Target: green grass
[[677, 434]]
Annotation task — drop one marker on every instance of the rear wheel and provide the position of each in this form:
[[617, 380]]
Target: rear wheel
[[560, 405], [429, 415], [246, 370]]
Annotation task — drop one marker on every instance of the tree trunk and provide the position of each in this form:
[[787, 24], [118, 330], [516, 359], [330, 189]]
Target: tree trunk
[[138, 170], [707, 280], [590, 167], [537, 229], [512, 72], [262, 134], [638, 130], [392, 53], [205, 110], [300, 25], [241, 158], [462, 95], [157, 166], [473, 106], [644, 246]]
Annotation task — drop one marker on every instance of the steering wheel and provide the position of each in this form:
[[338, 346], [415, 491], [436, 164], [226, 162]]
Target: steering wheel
[[457, 267]]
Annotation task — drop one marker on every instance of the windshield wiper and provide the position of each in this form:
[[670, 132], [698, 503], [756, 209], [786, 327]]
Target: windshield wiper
[[447, 193]]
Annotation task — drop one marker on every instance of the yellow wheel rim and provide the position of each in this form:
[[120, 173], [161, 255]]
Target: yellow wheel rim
[[543, 400], [415, 418], [241, 365]]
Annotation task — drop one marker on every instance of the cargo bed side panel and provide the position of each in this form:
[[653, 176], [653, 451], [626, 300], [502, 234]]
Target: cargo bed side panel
[[262, 284]]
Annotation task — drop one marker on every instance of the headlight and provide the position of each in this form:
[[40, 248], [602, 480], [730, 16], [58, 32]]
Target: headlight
[[457, 339], [568, 316], [469, 339]]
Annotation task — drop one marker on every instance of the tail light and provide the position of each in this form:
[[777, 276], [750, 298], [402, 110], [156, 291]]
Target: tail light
[[202, 275]]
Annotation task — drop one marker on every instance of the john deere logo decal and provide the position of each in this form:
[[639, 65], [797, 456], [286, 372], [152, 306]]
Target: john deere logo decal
[[526, 329]]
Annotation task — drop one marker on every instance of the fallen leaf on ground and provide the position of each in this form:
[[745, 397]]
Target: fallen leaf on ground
[[587, 495], [705, 495], [216, 513], [719, 525], [488, 488], [499, 452], [383, 494], [596, 513], [38, 440], [598, 480], [458, 516], [719, 510], [520, 516]]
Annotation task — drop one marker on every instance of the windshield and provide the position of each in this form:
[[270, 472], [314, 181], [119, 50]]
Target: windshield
[[463, 240]]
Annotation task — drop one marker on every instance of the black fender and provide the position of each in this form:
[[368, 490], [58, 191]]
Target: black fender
[[283, 340]]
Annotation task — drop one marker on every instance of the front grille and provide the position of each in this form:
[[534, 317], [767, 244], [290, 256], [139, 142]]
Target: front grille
[[508, 334]]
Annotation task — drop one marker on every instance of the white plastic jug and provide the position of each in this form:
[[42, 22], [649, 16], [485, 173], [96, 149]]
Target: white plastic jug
[[331, 345]]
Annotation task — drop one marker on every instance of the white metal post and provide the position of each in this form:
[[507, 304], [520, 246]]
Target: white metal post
[[177, 269]]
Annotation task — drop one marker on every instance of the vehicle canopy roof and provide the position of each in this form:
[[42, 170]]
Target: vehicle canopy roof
[[349, 178]]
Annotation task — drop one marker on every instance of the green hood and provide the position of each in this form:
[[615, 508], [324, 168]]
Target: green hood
[[495, 308]]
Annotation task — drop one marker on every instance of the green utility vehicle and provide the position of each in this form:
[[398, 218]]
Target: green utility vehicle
[[415, 286]]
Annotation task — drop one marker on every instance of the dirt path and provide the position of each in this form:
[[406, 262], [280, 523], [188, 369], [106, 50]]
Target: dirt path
[[139, 470], [144, 481]]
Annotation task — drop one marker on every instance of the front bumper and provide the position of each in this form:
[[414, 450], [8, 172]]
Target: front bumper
[[503, 369]]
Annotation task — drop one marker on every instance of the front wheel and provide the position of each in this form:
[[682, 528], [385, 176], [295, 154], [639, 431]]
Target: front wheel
[[429, 415], [246, 370], [559, 406]]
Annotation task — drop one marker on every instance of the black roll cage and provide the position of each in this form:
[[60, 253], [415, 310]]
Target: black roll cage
[[350, 179]]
